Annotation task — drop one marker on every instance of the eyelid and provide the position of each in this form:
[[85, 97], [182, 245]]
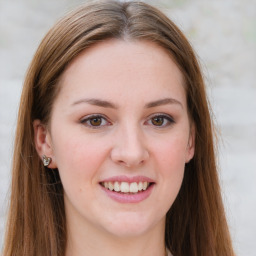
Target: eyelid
[[168, 117], [89, 117]]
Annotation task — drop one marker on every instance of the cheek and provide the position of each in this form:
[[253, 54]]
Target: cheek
[[78, 157], [79, 160], [170, 165], [171, 153]]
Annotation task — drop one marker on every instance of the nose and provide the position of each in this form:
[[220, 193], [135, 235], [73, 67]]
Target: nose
[[129, 148]]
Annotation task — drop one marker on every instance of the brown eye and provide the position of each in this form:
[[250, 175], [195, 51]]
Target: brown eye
[[161, 120], [95, 121], [158, 121]]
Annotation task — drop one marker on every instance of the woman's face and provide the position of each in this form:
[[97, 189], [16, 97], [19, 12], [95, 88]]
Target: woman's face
[[120, 122]]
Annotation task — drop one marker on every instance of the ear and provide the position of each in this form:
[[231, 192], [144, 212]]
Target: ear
[[43, 142], [191, 143]]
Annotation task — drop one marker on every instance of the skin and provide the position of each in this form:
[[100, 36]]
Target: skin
[[128, 141]]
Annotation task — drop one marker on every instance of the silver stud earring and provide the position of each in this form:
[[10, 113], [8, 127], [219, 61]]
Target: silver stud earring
[[46, 160]]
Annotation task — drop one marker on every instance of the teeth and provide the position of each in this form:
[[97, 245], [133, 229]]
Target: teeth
[[140, 187], [126, 187], [116, 186], [110, 186], [134, 187]]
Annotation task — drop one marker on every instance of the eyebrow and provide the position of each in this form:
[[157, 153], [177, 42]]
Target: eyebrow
[[164, 101], [96, 102], [107, 104]]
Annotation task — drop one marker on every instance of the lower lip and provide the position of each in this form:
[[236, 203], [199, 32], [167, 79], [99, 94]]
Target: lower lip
[[129, 197]]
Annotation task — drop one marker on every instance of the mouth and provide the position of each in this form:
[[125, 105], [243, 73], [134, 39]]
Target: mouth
[[126, 187], [123, 189]]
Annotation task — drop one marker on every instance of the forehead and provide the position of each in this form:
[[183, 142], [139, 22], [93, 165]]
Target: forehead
[[123, 68]]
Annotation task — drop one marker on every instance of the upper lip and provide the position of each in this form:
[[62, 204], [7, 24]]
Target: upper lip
[[123, 178]]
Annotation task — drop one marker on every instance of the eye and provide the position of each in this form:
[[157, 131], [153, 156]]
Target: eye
[[161, 120], [95, 121]]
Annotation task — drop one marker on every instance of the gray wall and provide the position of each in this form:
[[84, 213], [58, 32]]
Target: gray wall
[[223, 32]]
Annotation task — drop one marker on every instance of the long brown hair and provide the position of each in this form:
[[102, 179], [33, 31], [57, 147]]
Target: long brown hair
[[196, 223]]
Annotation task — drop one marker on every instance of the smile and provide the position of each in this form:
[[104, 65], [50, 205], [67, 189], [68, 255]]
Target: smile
[[123, 189], [126, 187]]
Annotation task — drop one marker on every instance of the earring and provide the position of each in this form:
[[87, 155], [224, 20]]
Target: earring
[[46, 160]]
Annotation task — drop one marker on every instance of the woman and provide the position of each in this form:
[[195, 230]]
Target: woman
[[114, 150]]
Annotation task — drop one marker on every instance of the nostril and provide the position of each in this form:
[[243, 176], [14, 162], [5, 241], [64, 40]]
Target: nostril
[[130, 164]]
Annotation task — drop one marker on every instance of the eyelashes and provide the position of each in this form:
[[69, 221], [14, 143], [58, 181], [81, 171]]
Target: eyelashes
[[160, 120], [95, 121], [98, 121]]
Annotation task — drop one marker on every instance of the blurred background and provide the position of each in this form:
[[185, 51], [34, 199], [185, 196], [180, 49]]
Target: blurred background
[[223, 33]]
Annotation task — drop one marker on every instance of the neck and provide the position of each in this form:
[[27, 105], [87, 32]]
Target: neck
[[87, 240]]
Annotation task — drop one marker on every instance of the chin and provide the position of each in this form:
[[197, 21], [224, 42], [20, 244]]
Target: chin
[[131, 225], [129, 232]]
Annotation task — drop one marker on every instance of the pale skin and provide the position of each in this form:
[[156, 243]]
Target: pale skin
[[140, 127]]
